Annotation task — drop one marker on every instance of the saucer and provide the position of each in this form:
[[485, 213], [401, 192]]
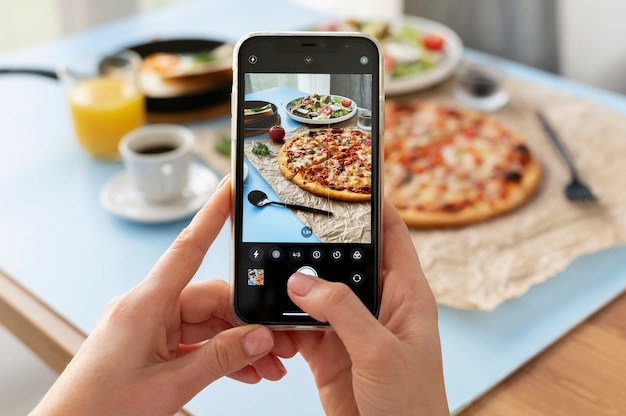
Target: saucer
[[120, 198]]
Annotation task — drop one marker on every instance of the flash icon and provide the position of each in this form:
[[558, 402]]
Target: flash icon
[[255, 254]]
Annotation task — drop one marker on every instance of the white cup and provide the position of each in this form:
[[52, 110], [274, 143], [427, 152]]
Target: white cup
[[157, 158]]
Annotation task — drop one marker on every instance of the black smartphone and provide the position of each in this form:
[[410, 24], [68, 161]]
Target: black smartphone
[[307, 127]]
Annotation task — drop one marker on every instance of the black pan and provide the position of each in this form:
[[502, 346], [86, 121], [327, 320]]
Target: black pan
[[188, 101], [178, 103]]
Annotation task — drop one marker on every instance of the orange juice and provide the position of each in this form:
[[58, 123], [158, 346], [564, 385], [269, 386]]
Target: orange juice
[[103, 110]]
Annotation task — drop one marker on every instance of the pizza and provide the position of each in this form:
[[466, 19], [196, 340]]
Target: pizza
[[331, 162], [451, 167]]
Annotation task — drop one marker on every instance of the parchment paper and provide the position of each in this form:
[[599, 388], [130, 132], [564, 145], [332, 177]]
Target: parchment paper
[[482, 265], [350, 220]]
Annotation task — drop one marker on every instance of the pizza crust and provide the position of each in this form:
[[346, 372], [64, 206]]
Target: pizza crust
[[480, 211], [326, 192]]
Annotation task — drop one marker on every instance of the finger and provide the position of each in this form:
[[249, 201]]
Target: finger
[[199, 332], [183, 258], [284, 345], [270, 367], [226, 353], [201, 301], [398, 249], [206, 310], [336, 304], [246, 375], [403, 276]]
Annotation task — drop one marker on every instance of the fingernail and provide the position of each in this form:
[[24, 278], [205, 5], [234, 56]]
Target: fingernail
[[257, 341], [300, 284]]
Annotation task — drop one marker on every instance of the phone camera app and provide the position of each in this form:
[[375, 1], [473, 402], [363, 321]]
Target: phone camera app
[[253, 59]]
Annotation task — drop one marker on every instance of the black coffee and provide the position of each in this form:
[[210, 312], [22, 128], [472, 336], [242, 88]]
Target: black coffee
[[156, 149], [479, 84]]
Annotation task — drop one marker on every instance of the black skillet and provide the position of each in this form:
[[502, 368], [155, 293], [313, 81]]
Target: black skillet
[[177, 103]]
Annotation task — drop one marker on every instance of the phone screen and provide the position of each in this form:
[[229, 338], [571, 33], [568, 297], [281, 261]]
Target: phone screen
[[307, 174]]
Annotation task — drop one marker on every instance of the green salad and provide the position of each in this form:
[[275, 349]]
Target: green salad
[[321, 107]]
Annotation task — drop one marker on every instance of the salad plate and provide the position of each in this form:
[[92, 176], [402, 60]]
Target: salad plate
[[321, 109], [418, 52]]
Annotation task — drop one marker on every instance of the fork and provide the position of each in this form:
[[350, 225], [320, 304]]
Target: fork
[[576, 190]]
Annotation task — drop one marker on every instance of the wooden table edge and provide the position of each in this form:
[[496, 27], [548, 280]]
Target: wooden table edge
[[49, 335]]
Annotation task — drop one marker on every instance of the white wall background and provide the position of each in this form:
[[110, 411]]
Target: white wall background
[[592, 33], [593, 42]]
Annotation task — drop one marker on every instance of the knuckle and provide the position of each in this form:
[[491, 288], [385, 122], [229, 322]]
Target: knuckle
[[187, 239], [225, 357], [338, 293]]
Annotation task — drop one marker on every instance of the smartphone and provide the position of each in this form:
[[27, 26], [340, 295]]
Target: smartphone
[[307, 128]]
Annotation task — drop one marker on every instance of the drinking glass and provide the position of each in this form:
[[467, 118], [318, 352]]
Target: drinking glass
[[480, 85], [105, 100]]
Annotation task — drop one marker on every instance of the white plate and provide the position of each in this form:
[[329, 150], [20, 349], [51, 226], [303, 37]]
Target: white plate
[[453, 50], [305, 120], [119, 197]]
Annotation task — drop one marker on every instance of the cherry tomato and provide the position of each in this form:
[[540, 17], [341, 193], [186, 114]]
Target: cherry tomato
[[432, 42], [325, 111], [390, 63], [346, 102], [276, 133]]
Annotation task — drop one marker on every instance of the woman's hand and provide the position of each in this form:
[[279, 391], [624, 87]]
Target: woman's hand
[[364, 366], [161, 343]]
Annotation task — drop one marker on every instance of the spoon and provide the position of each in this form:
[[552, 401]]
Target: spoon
[[260, 199]]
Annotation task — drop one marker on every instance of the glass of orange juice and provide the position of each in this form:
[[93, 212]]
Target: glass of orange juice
[[105, 100]]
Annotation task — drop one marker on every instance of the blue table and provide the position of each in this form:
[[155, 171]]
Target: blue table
[[264, 220], [59, 243]]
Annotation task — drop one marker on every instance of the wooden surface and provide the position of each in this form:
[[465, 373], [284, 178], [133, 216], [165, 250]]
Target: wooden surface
[[584, 373]]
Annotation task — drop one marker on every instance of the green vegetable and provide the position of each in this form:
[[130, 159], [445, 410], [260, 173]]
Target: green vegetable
[[222, 146], [203, 57], [410, 68], [260, 149]]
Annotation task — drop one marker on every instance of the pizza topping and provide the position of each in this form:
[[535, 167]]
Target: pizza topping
[[444, 160], [513, 176], [333, 159]]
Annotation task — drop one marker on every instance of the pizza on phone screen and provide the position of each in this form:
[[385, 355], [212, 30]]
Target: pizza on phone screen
[[334, 163], [447, 167]]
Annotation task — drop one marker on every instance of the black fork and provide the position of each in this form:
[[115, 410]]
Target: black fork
[[576, 190]]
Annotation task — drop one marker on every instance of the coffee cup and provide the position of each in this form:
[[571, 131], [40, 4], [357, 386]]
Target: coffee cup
[[157, 158]]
